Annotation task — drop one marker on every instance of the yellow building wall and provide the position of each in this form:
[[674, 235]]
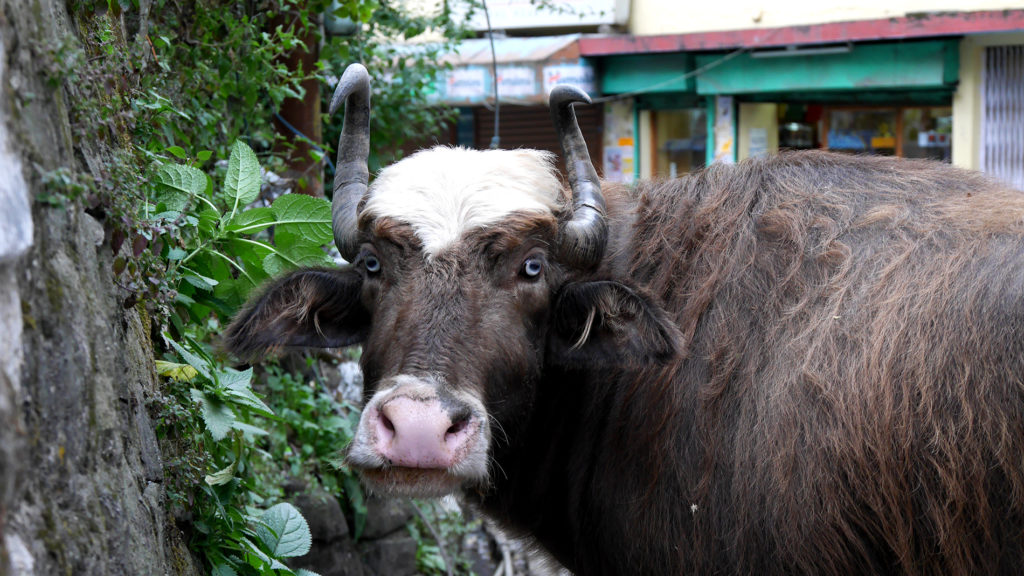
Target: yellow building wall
[[758, 126], [646, 148], [678, 17], [967, 112]]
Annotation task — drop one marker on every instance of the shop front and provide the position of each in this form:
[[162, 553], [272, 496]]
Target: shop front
[[888, 98], [667, 129]]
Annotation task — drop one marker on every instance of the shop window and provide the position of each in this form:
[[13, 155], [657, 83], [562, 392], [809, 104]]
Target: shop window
[[798, 126], [928, 133], [906, 131], [680, 138], [871, 130]]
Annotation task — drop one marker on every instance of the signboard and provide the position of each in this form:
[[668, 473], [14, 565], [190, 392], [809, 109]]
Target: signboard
[[465, 83], [725, 130], [619, 164], [517, 81], [524, 14], [578, 74]]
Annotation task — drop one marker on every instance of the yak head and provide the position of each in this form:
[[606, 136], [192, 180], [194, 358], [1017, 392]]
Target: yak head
[[472, 272]]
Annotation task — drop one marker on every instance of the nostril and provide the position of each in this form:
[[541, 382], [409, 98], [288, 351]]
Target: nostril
[[459, 423], [458, 426], [385, 428]]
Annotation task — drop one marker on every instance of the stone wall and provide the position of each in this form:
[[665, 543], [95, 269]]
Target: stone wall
[[80, 469], [81, 476]]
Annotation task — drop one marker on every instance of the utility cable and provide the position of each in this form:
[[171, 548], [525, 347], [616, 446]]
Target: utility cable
[[495, 140]]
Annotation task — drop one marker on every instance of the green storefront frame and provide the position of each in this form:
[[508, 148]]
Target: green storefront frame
[[901, 66], [911, 72]]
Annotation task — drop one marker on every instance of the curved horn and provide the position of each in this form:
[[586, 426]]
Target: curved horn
[[583, 238], [351, 175]]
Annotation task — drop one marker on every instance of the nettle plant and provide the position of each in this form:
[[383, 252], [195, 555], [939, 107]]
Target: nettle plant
[[232, 530], [217, 243]]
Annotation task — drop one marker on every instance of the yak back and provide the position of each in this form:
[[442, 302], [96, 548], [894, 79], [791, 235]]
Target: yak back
[[850, 394]]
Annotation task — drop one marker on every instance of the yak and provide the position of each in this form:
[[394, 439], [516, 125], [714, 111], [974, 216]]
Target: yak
[[806, 363]]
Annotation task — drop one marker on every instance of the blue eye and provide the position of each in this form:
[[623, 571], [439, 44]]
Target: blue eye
[[372, 263], [532, 267]]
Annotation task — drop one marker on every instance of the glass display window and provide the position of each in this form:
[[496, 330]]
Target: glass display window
[[680, 139], [928, 132], [905, 131], [867, 130]]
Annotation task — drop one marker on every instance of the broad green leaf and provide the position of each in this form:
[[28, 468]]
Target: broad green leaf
[[184, 299], [229, 377], [284, 531], [223, 570], [297, 256], [194, 360], [177, 151], [242, 183], [251, 253], [221, 477], [176, 184], [208, 221], [217, 416], [246, 397], [250, 431], [238, 387], [257, 558], [170, 215], [252, 220], [304, 572], [201, 282], [203, 155], [175, 371], [302, 219]]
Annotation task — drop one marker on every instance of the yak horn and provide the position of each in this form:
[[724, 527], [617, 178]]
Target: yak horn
[[582, 239], [351, 175]]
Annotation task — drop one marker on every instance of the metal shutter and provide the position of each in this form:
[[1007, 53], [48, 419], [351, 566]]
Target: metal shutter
[[531, 127], [1002, 127]]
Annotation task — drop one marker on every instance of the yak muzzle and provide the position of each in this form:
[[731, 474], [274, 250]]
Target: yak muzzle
[[415, 438]]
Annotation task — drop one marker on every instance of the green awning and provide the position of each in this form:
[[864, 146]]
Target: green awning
[[891, 66]]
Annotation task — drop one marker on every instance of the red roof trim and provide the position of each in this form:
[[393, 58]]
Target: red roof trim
[[913, 26]]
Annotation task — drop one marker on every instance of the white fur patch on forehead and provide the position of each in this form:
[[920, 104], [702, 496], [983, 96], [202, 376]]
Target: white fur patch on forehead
[[444, 192]]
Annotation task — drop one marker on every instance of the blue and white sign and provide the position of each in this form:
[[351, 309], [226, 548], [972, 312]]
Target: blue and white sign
[[517, 81], [578, 74]]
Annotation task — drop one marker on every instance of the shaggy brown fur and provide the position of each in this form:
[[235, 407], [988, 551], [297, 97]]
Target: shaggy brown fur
[[852, 366], [804, 364]]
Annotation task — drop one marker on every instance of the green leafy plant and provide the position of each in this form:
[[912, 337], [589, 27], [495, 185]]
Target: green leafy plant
[[169, 87], [438, 533], [217, 243], [231, 531], [316, 426]]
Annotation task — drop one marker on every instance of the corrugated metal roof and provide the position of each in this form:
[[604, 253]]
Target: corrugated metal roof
[[508, 50]]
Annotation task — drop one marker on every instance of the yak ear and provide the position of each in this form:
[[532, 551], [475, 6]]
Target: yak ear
[[605, 324], [315, 307]]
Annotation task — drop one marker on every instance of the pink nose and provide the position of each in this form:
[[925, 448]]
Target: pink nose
[[420, 433]]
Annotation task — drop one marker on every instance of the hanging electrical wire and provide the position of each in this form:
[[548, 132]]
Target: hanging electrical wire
[[495, 140]]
